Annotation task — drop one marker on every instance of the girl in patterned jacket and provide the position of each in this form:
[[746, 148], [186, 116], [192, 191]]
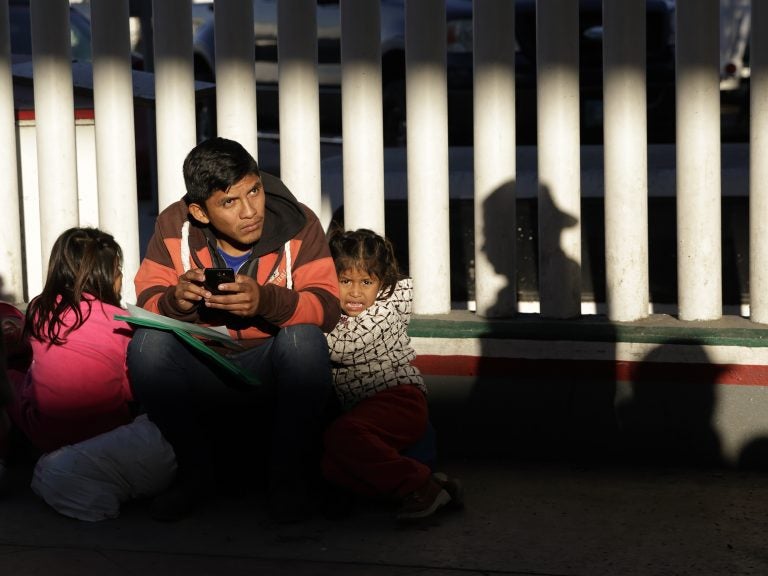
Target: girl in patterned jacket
[[382, 395]]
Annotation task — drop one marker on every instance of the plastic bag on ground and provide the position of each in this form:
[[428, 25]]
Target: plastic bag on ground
[[91, 479]]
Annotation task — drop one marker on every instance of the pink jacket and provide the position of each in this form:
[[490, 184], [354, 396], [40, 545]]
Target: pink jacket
[[79, 389]]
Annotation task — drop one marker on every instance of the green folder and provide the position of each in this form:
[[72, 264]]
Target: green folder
[[185, 331]]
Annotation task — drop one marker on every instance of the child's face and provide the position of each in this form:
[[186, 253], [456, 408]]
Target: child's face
[[358, 291]]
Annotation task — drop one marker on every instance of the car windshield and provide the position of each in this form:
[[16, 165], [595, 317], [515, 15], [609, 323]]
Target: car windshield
[[21, 36]]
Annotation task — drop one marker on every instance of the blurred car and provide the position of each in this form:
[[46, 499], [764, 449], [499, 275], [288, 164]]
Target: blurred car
[[735, 27], [79, 33], [202, 10], [660, 68], [459, 18], [735, 71], [80, 42], [21, 36]]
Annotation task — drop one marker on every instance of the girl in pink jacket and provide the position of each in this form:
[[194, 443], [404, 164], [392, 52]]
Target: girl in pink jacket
[[77, 384]]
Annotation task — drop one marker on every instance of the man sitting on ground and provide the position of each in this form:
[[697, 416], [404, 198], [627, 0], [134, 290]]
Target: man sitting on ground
[[284, 297]]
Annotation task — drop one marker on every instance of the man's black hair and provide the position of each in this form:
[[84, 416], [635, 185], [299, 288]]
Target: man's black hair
[[215, 164]]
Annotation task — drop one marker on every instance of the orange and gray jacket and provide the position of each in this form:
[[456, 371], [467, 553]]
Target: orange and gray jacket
[[291, 261]]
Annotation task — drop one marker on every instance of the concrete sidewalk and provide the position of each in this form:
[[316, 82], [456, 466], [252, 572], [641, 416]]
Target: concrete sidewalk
[[520, 518]]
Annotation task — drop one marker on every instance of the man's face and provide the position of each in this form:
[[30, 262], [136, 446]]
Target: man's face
[[235, 215]]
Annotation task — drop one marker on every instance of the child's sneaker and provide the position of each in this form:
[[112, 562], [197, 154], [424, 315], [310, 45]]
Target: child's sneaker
[[423, 502], [453, 486]]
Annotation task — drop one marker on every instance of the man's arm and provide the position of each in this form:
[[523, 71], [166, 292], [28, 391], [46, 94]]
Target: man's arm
[[162, 285], [314, 298]]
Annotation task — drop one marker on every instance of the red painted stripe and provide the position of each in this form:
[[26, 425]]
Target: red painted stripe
[[80, 114], [501, 367], [84, 114], [25, 114], [725, 374]]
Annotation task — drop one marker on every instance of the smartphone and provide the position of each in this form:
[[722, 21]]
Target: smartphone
[[216, 276]]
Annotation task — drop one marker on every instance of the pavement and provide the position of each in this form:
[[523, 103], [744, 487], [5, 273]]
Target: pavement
[[520, 517]]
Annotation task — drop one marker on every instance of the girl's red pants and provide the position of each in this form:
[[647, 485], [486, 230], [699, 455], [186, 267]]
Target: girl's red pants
[[363, 446]]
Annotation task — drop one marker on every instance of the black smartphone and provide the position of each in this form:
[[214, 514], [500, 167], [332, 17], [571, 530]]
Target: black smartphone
[[216, 276]]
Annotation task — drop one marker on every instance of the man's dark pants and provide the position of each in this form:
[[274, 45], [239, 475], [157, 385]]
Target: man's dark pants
[[194, 403]]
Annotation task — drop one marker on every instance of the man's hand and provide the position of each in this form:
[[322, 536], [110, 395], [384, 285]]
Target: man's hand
[[189, 291], [241, 298]]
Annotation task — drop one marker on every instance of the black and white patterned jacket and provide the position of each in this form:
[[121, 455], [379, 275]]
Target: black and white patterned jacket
[[372, 352]]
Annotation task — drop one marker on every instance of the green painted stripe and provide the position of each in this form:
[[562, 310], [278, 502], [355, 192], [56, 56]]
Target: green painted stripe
[[725, 332]]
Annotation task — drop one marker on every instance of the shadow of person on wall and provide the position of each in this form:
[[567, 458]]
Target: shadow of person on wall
[[667, 418], [532, 404], [754, 455], [587, 427], [559, 282], [501, 225]]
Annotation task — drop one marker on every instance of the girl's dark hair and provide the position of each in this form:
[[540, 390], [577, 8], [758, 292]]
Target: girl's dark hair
[[83, 261], [368, 252], [215, 164]]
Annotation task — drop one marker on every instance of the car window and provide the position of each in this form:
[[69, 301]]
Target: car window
[[21, 34], [79, 36], [21, 39]]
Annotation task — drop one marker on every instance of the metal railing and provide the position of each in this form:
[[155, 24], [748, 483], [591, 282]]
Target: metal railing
[[56, 190]]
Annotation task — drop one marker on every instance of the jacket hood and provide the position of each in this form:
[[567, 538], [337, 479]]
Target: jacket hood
[[283, 218]]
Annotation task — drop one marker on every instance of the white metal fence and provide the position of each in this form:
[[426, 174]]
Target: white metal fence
[[44, 192]]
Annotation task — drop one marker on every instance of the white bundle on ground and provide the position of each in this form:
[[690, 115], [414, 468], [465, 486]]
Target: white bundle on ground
[[91, 479]]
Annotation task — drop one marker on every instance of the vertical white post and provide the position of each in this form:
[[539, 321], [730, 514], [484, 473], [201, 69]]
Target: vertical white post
[[361, 109], [174, 95], [626, 160], [55, 121], [115, 138], [11, 269], [235, 73], [427, 155], [299, 99], [557, 97], [494, 158], [30, 199], [758, 167], [698, 161], [87, 187]]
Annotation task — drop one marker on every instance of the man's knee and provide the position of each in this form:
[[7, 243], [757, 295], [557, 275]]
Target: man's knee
[[301, 335], [303, 341], [148, 349], [301, 360]]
